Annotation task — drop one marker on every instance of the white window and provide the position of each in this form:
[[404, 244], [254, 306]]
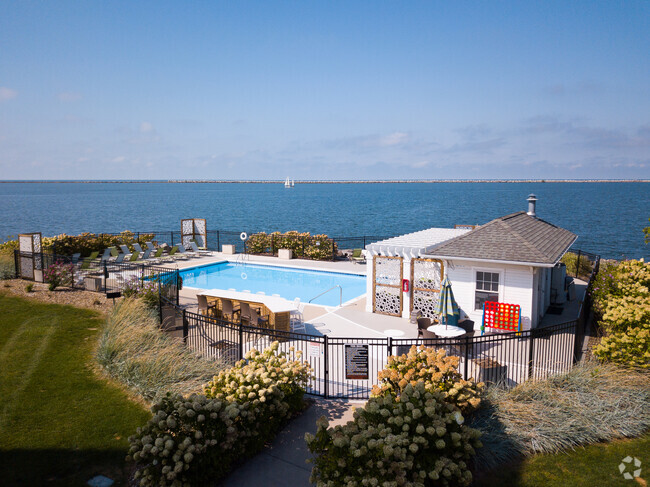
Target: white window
[[487, 288]]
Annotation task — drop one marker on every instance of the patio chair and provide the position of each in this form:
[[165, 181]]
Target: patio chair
[[423, 324], [135, 256], [205, 308], [297, 320], [137, 248], [114, 252], [468, 326], [87, 261], [106, 255], [183, 250], [357, 256], [246, 311], [126, 251], [228, 309], [75, 258], [197, 250], [256, 319], [150, 246], [174, 253]]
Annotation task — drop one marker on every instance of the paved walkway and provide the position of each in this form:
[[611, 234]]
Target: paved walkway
[[284, 461]]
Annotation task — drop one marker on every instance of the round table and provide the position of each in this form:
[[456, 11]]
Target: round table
[[447, 331]]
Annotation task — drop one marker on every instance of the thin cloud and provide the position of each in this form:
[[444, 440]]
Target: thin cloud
[[146, 128], [7, 93]]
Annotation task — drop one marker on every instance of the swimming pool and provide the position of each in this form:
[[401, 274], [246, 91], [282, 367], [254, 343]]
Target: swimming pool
[[288, 282]]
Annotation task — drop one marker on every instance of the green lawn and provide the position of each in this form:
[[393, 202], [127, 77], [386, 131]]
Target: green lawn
[[59, 423], [592, 466]]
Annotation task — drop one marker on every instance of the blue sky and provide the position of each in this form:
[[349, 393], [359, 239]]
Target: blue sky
[[324, 90]]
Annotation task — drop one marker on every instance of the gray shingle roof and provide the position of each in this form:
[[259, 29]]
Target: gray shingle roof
[[518, 237]]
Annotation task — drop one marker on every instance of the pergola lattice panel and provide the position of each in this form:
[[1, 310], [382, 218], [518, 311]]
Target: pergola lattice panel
[[426, 279], [387, 286]]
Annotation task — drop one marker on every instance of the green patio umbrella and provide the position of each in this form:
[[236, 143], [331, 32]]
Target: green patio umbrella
[[446, 305]]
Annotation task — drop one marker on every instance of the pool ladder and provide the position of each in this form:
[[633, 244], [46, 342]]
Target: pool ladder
[[241, 258], [330, 289]]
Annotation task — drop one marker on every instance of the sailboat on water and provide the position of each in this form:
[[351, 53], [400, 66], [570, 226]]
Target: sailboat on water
[[288, 183]]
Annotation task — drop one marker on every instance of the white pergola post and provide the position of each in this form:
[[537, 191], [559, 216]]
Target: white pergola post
[[406, 297], [370, 265]]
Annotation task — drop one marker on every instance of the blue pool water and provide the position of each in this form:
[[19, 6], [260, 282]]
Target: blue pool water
[[288, 282]]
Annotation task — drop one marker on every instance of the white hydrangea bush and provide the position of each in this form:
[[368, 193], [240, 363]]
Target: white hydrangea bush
[[196, 439], [416, 439]]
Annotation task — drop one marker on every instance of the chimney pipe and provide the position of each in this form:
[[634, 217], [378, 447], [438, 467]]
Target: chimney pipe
[[532, 199]]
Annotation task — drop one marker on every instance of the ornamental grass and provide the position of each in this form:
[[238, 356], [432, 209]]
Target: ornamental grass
[[133, 350], [591, 403]]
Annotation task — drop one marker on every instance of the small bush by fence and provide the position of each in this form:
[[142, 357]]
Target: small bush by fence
[[303, 245]]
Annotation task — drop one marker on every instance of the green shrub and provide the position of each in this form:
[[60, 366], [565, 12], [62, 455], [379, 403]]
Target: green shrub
[[304, 245], [417, 439], [621, 295], [29, 287], [629, 348], [84, 243], [590, 403], [437, 371], [196, 440], [7, 268], [133, 350], [570, 259]]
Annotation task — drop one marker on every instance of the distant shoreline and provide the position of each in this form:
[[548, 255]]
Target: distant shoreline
[[315, 181]]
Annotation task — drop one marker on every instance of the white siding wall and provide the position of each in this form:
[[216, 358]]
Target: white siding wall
[[515, 287]]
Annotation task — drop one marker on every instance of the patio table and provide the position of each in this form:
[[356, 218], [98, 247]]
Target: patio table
[[447, 331]]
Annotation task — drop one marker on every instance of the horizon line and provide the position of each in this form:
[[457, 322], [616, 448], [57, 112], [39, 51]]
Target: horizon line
[[322, 181]]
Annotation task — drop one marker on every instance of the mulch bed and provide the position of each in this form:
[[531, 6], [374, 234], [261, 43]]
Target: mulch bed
[[72, 297]]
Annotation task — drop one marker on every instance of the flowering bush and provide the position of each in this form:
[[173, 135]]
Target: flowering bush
[[146, 290], [438, 372], [416, 439], [629, 348], [304, 245], [58, 274], [265, 374], [190, 441], [621, 295], [84, 243]]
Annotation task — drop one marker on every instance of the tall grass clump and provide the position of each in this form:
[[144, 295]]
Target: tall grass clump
[[134, 351], [581, 268], [7, 268], [591, 403]]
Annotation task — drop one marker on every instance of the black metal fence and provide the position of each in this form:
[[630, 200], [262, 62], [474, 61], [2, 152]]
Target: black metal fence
[[215, 239], [507, 358], [104, 277]]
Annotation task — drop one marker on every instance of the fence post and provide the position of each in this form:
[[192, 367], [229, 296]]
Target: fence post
[[105, 277], [16, 260], [171, 234], [303, 247], [241, 340], [530, 353], [578, 263], [218, 246], [364, 241], [178, 285], [186, 330], [467, 340], [160, 304], [389, 346], [326, 376]]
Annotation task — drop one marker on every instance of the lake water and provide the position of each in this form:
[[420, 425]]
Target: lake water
[[608, 217]]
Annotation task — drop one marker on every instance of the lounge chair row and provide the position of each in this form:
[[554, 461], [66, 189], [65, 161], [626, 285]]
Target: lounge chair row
[[151, 254]]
